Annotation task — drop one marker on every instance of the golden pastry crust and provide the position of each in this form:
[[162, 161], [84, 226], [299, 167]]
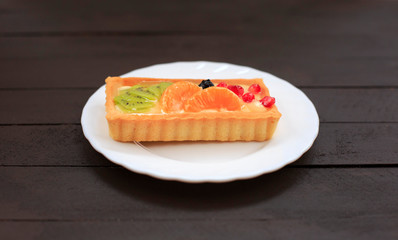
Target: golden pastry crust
[[188, 126]]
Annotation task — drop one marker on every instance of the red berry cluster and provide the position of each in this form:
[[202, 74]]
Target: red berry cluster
[[248, 97]]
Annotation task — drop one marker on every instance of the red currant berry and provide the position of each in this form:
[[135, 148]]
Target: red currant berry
[[248, 97], [238, 90], [267, 101], [254, 88], [222, 84]]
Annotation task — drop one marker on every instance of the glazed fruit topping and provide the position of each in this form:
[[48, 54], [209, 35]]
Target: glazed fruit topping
[[222, 84], [175, 96], [248, 97], [254, 88], [206, 83], [140, 98], [238, 90], [213, 99], [268, 101]]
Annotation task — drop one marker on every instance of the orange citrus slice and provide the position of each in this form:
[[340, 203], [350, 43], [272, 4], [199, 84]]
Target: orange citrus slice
[[213, 98], [174, 97]]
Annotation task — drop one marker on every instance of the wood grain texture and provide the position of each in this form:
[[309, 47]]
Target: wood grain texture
[[61, 145], [115, 194], [353, 144], [65, 106], [259, 17], [337, 144], [55, 54], [43, 106], [355, 105], [303, 60], [329, 228]]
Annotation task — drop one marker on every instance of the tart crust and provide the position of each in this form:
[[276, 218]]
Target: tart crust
[[188, 126]]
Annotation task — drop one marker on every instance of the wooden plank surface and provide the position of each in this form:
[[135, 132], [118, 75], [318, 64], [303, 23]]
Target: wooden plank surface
[[115, 194], [353, 143], [336, 17], [303, 60], [56, 145], [337, 144], [43, 106], [55, 54], [342, 228], [66, 105]]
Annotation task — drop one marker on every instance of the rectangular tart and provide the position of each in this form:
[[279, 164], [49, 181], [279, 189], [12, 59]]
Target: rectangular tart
[[207, 125]]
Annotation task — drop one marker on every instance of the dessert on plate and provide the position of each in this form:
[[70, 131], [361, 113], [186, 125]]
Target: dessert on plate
[[155, 109]]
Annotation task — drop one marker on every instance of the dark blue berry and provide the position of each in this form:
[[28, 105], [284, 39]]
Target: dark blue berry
[[206, 83]]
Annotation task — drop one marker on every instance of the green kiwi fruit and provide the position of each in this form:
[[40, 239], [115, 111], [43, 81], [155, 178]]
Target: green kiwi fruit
[[158, 89], [163, 86], [140, 98], [155, 90], [143, 92], [133, 103]]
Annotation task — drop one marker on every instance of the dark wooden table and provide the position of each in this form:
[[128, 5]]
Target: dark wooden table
[[55, 54]]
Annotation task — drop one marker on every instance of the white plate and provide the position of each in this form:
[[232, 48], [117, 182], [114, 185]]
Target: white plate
[[195, 162]]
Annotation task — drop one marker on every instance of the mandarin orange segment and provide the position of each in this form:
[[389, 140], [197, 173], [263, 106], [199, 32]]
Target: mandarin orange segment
[[174, 97], [213, 98]]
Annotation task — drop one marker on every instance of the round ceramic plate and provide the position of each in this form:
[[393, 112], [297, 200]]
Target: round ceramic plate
[[209, 161]]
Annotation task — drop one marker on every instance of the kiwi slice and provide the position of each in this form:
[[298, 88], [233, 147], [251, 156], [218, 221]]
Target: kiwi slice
[[140, 98], [164, 85], [129, 89], [155, 90], [158, 89], [133, 103], [140, 110], [143, 92]]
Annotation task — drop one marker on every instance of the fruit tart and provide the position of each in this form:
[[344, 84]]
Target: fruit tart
[[155, 109]]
